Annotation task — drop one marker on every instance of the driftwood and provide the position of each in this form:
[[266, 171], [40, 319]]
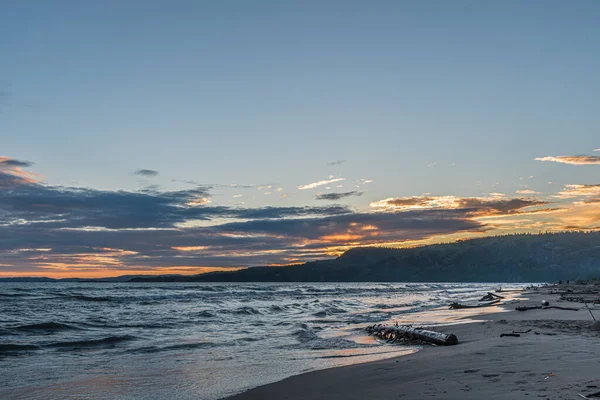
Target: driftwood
[[490, 297], [581, 299], [458, 306], [405, 332], [589, 396], [510, 334], [508, 290], [525, 308]]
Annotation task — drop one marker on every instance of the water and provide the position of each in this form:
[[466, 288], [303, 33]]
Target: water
[[195, 340]]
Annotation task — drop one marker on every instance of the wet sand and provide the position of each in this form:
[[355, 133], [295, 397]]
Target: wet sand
[[558, 362]]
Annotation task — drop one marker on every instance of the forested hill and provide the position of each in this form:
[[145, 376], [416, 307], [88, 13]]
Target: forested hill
[[513, 258]]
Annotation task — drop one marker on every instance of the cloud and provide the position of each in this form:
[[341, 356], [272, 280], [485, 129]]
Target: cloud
[[11, 162], [577, 190], [527, 191], [12, 173], [320, 183], [596, 149], [573, 160], [146, 172], [473, 206], [336, 162], [337, 196]]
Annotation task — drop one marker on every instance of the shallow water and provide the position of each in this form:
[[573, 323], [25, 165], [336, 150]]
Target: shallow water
[[196, 340]]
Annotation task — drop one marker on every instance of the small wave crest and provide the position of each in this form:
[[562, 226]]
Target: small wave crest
[[242, 311], [175, 347], [9, 347], [308, 338], [103, 342], [45, 326], [330, 311], [205, 314]]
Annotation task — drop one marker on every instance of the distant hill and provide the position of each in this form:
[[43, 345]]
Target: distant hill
[[512, 258], [27, 279]]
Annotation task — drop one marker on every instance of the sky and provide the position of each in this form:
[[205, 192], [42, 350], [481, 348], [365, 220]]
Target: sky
[[188, 136]]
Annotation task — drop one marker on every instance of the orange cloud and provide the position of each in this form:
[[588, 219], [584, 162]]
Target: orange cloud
[[12, 169], [495, 204], [573, 160], [576, 190]]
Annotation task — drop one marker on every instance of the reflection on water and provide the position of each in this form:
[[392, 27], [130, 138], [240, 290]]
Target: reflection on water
[[198, 341]]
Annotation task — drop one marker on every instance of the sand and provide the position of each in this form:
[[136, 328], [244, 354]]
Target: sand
[[558, 363]]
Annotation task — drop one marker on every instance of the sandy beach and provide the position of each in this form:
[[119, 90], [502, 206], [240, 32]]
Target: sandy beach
[[556, 359]]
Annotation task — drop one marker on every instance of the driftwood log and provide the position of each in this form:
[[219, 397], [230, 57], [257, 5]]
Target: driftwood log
[[458, 306], [405, 332], [508, 290], [525, 308], [491, 296]]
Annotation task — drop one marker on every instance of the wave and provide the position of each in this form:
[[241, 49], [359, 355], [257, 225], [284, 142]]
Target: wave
[[242, 311], [175, 347], [308, 338], [14, 295], [45, 326], [330, 311], [82, 297], [8, 347], [89, 298], [205, 314], [107, 341]]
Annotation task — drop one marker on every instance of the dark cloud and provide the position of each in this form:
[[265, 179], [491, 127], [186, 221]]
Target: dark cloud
[[337, 196], [150, 208], [499, 206], [474, 206], [146, 172], [408, 201], [254, 242], [11, 162], [336, 162]]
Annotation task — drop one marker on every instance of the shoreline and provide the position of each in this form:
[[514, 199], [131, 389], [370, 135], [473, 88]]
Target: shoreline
[[558, 362]]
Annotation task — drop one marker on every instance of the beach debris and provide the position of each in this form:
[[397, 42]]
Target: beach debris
[[580, 299], [510, 334], [525, 308], [589, 396], [545, 303], [407, 332], [588, 307], [491, 297], [500, 290], [458, 306], [527, 331], [551, 374]]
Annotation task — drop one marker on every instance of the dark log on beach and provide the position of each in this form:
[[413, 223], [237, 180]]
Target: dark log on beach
[[458, 306], [490, 297], [580, 299], [510, 334], [525, 308], [508, 290], [404, 332]]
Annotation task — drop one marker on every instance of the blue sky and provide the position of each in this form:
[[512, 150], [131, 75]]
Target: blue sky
[[445, 98]]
